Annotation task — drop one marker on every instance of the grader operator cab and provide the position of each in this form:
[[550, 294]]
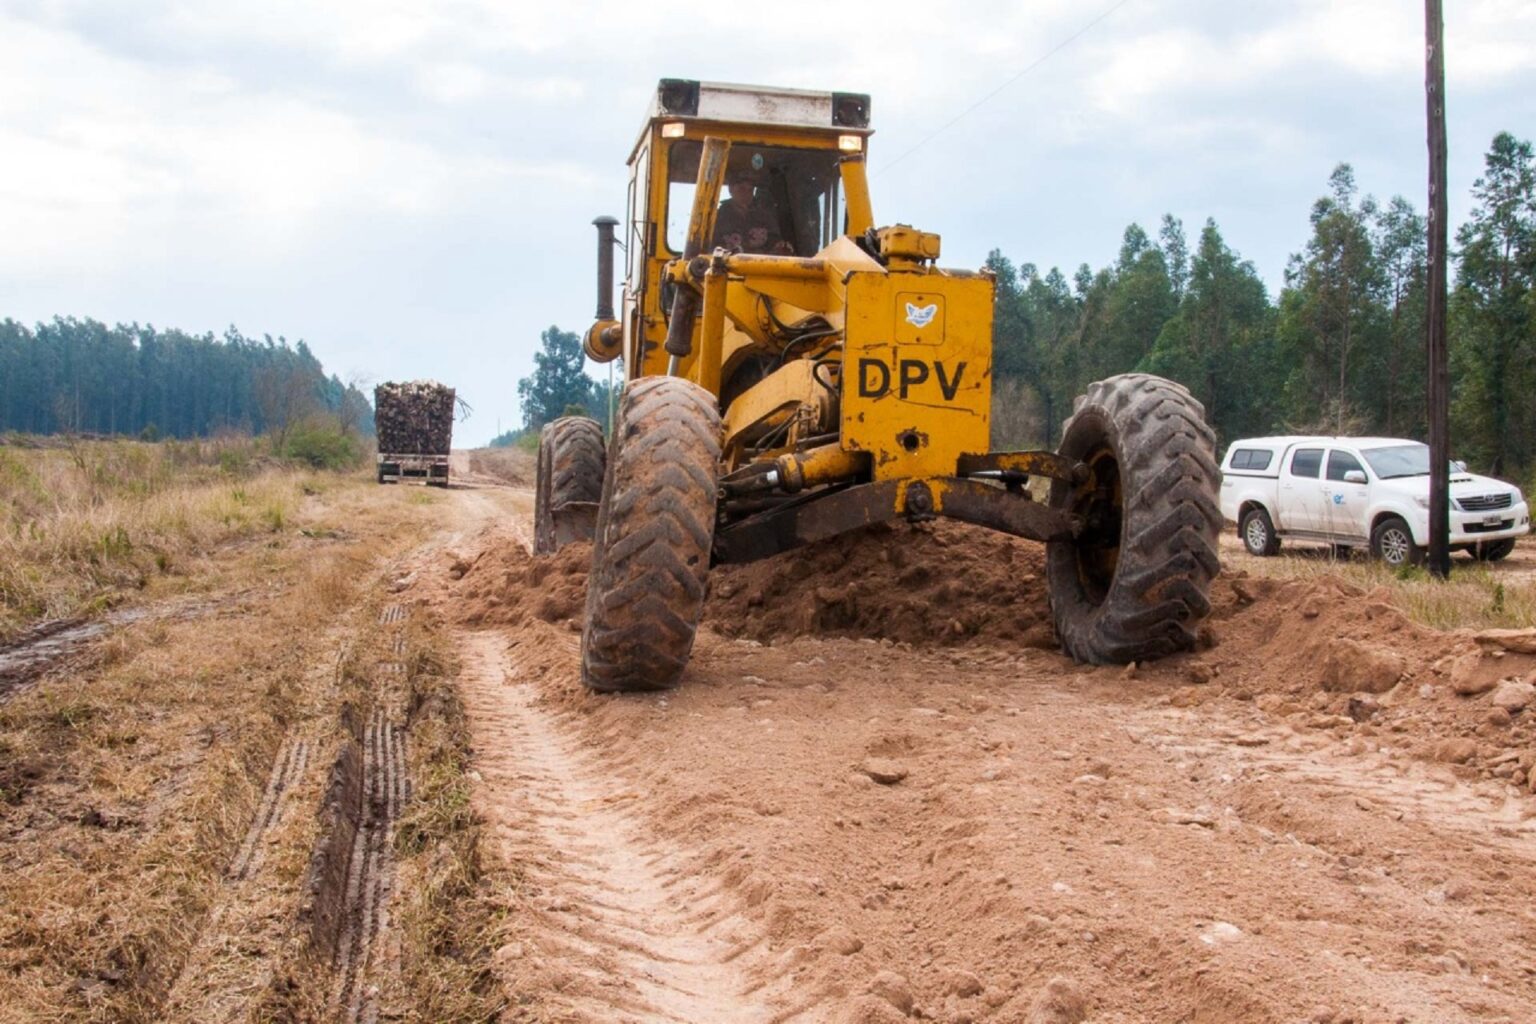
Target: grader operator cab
[[806, 373]]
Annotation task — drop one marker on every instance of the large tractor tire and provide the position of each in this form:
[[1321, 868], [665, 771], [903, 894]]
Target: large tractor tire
[[570, 473], [655, 527], [1136, 583]]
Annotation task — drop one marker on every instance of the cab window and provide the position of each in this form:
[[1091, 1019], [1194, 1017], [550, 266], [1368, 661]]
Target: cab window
[[1251, 458], [776, 199], [1340, 463], [1307, 462], [634, 237]]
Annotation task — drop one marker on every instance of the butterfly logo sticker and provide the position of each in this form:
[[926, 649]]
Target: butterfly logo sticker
[[921, 316]]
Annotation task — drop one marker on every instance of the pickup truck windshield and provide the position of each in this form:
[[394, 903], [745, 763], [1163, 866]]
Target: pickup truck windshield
[[1399, 460]]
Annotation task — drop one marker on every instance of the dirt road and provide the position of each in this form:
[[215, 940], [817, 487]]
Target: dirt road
[[949, 828], [878, 795]]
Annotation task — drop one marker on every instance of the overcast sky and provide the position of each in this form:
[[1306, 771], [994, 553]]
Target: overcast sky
[[408, 186]]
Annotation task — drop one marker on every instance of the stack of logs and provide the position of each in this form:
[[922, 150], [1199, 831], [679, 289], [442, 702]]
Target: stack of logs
[[413, 417]]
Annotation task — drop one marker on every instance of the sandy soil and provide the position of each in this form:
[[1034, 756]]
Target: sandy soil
[[879, 794], [873, 800]]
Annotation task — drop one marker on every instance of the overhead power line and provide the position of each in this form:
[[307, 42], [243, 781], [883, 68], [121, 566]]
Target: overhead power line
[[1047, 55]]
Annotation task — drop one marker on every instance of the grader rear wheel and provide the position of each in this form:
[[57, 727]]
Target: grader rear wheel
[[570, 472], [1136, 583], [655, 527]]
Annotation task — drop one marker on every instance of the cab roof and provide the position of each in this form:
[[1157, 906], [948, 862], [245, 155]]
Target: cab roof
[[683, 99], [1282, 440]]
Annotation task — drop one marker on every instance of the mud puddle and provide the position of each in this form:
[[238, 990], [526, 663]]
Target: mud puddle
[[38, 649], [48, 644]]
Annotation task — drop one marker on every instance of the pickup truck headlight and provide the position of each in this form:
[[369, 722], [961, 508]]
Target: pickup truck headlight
[[1454, 504]]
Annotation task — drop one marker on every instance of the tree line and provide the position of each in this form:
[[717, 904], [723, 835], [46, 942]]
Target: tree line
[[1341, 350], [81, 376], [559, 386]]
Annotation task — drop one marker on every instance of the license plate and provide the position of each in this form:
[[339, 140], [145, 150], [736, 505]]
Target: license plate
[[1492, 520]]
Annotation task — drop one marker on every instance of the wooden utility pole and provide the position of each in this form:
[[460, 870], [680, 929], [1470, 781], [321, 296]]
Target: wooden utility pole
[[1439, 376]]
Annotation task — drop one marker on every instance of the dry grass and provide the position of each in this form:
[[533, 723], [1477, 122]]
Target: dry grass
[[1477, 596], [83, 522], [449, 922], [129, 782], [509, 465]]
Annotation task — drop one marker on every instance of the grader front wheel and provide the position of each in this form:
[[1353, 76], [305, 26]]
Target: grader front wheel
[[655, 527], [1136, 583]]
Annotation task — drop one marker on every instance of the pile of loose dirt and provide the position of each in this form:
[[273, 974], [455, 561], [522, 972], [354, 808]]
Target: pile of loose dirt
[[937, 584], [1321, 654], [1328, 655], [967, 832], [503, 585]]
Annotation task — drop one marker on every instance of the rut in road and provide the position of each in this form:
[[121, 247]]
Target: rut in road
[[287, 769], [386, 788], [634, 937]]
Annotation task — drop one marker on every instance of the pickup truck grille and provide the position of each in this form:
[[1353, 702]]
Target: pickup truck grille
[[1486, 502]]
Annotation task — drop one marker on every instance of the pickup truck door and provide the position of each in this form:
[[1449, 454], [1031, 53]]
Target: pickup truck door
[[1302, 502], [1346, 502]]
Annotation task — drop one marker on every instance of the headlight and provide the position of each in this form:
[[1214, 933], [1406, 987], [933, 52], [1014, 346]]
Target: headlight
[[1516, 498], [1421, 500], [1454, 504]]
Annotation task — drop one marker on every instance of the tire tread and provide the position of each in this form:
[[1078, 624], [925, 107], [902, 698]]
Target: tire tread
[[1160, 592], [570, 469], [655, 527]]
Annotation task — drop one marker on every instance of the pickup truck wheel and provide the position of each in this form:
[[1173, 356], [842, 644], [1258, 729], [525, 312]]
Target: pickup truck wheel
[[655, 528], [1494, 550], [1392, 542], [570, 469], [1258, 533], [1135, 584]]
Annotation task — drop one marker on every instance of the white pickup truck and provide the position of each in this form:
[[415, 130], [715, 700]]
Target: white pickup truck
[[1359, 492]]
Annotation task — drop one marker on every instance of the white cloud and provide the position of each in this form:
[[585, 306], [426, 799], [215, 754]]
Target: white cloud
[[120, 153], [1487, 42], [373, 172], [454, 82]]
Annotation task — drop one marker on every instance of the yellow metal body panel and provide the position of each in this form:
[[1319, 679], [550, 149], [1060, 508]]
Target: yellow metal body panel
[[772, 400], [916, 353], [917, 371]]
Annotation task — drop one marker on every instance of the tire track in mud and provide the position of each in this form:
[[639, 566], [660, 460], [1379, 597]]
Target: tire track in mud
[[370, 876], [202, 989], [287, 768], [631, 932]]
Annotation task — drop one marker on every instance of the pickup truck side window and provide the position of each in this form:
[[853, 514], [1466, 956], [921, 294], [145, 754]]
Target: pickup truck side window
[[1307, 462], [1340, 463], [1251, 458]]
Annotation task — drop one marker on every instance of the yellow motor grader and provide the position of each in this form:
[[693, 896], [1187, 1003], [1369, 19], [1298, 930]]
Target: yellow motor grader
[[793, 372]]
